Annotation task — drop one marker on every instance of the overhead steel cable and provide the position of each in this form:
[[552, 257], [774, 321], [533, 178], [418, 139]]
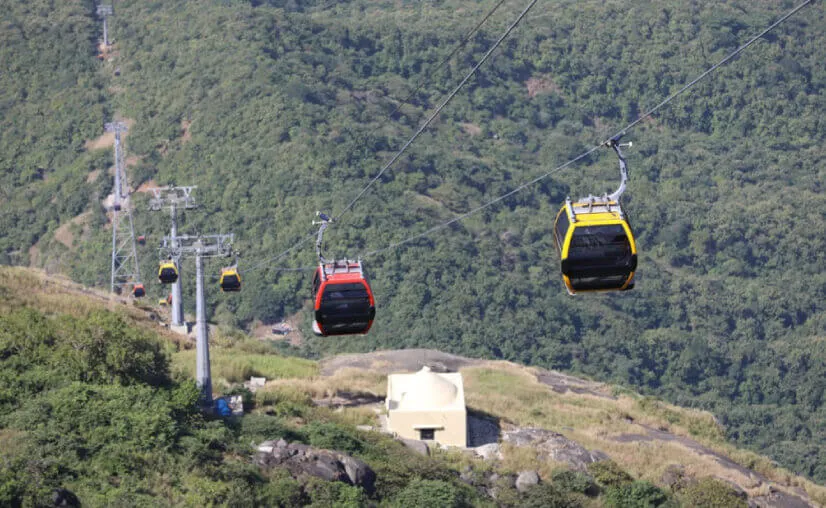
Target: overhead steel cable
[[595, 148], [446, 59], [438, 110], [424, 125]]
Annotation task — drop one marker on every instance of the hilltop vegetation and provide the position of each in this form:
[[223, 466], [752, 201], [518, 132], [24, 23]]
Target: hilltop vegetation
[[89, 405], [276, 110]]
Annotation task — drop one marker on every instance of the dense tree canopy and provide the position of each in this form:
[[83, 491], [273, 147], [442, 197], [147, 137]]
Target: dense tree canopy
[[276, 109]]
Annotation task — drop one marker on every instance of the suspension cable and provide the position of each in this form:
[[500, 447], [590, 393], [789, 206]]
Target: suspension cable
[[437, 111], [424, 126], [595, 148]]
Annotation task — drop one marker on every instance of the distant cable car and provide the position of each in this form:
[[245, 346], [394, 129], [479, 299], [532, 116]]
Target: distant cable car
[[342, 299], [168, 272], [230, 279], [343, 302], [142, 239], [162, 302], [138, 291], [595, 241]]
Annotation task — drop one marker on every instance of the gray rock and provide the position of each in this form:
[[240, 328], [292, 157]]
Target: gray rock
[[266, 447], [325, 467], [526, 480], [488, 451], [300, 459], [359, 473], [417, 446], [554, 447], [779, 499], [497, 483]]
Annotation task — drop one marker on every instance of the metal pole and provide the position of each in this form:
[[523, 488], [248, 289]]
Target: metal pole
[[114, 247], [118, 187], [202, 377], [105, 33], [177, 302]]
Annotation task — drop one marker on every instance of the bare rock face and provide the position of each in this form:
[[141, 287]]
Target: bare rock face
[[526, 480], [779, 499], [550, 445], [488, 452], [300, 459], [417, 446]]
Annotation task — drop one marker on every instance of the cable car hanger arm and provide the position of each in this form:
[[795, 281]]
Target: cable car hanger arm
[[615, 144], [324, 222]]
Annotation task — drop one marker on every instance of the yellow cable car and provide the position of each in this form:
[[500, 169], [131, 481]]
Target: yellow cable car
[[168, 272], [595, 241], [230, 279]]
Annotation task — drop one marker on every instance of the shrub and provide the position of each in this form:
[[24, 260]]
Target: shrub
[[609, 474], [429, 494], [332, 436], [638, 494], [574, 481], [711, 493], [323, 494], [282, 491], [257, 428]]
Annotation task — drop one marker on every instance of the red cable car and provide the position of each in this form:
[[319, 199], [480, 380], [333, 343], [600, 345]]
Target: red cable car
[[138, 291], [342, 299]]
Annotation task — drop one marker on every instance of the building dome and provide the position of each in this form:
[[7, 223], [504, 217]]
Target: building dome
[[428, 390]]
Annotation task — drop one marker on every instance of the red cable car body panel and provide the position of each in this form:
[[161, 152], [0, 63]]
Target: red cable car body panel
[[342, 299]]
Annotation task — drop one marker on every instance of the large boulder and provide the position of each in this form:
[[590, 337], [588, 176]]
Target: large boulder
[[488, 452], [526, 480], [300, 459], [554, 447], [417, 446]]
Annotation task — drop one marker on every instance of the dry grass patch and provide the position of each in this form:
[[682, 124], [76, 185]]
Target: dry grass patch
[[350, 380], [513, 393], [229, 365]]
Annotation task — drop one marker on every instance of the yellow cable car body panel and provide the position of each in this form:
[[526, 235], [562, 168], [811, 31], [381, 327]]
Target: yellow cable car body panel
[[167, 272], [230, 280], [597, 216]]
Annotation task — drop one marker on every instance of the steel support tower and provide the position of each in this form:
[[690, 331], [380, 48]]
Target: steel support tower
[[200, 247], [105, 11], [174, 197], [125, 269]]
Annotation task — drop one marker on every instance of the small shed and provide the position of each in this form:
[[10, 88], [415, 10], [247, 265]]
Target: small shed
[[427, 405]]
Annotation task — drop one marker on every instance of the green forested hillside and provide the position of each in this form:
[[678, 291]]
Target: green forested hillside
[[276, 110]]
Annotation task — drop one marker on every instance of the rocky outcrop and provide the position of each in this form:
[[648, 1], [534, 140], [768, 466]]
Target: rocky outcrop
[[526, 480], [553, 446], [300, 459], [417, 446]]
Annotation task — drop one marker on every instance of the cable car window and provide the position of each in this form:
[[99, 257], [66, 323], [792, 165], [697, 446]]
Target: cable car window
[[562, 224], [585, 283], [600, 246], [345, 300], [316, 283], [345, 308]]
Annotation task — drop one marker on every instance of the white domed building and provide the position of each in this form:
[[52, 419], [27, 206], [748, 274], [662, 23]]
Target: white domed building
[[427, 405]]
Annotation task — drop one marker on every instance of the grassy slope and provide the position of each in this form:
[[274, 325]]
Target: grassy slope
[[273, 98], [503, 390]]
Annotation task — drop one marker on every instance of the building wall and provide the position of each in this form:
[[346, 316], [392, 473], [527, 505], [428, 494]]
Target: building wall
[[450, 426]]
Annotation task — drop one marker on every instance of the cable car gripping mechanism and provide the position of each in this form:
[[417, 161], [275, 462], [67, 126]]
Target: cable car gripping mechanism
[[324, 222], [615, 144]]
